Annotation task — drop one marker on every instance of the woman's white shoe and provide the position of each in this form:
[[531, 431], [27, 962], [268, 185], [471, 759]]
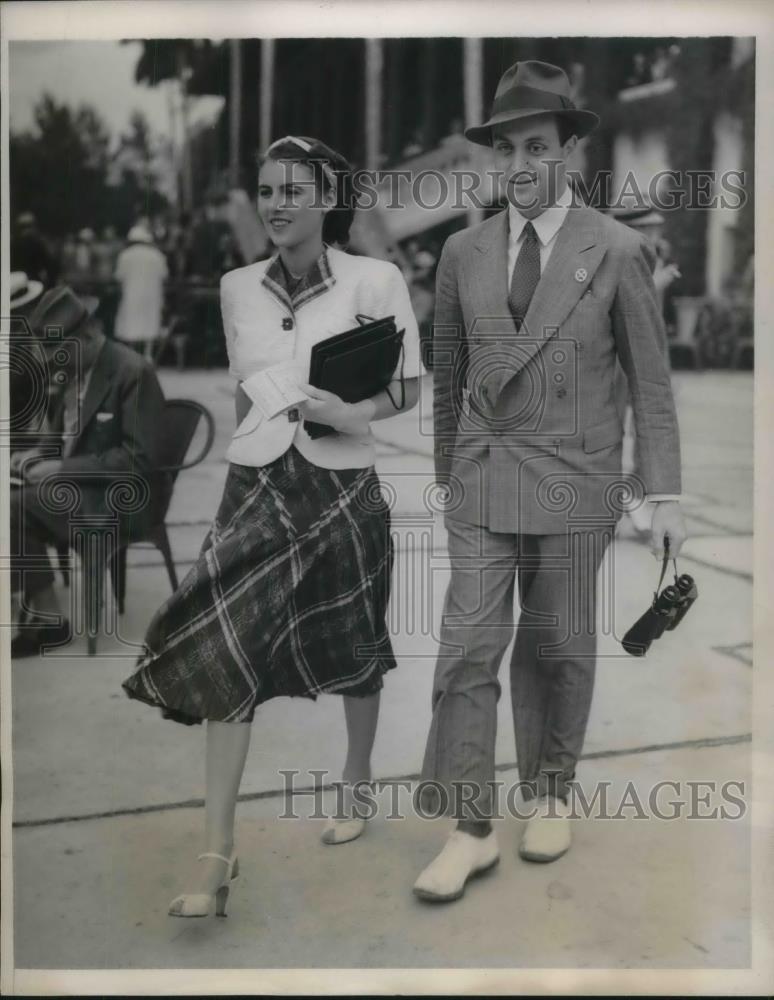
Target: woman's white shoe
[[199, 904], [345, 826], [340, 831]]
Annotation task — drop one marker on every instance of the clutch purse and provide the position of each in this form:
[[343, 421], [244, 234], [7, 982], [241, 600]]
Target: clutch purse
[[357, 364], [666, 611]]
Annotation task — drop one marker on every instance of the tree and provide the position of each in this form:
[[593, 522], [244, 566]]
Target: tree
[[61, 171]]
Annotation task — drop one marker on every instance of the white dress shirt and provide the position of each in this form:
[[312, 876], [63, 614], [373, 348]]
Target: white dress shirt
[[547, 226]]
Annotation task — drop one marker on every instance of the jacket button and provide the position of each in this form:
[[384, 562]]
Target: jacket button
[[561, 393], [287, 323]]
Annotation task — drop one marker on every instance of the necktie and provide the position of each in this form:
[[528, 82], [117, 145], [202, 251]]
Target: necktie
[[526, 275]]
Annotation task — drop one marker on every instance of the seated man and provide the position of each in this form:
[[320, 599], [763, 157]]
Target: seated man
[[105, 419]]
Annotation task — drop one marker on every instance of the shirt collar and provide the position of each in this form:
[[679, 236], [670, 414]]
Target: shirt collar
[[318, 279], [547, 224]]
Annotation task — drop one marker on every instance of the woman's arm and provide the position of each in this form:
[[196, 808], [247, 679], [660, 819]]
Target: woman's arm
[[382, 404], [353, 418]]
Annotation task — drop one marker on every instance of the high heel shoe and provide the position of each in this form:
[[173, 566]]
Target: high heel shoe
[[198, 904]]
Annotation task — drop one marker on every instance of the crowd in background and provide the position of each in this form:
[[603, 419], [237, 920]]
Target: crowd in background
[[158, 286]]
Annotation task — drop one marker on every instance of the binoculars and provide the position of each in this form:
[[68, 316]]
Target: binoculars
[[665, 613]]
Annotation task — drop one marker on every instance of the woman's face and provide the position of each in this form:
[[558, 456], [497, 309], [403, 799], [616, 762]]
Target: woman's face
[[290, 207]]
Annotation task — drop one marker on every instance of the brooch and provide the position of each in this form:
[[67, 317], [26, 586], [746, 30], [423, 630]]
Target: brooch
[[581, 274]]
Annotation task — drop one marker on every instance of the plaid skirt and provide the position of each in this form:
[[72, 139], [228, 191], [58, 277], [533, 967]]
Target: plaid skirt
[[287, 597]]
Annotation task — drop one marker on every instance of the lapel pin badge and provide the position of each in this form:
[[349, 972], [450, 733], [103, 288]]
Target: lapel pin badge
[[581, 274]]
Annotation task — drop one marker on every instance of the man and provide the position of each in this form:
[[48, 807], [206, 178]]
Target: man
[[104, 423], [534, 308]]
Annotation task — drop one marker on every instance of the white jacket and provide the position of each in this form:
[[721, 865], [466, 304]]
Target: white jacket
[[253, 314]]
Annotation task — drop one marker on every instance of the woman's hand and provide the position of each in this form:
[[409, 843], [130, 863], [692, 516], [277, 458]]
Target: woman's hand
[[324, 407]]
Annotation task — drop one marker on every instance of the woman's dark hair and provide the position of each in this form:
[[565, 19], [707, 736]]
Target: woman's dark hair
[[318, 157]]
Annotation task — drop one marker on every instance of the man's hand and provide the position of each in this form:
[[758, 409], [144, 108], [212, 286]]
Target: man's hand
[[39, 471], [324, 407], [664, 275], [667, 522]]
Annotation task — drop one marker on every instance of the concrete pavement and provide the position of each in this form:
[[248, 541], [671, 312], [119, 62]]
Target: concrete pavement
[[107, 795]]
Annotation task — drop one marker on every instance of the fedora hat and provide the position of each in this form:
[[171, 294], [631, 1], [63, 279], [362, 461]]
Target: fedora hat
[[531, 88], [23, 291], [61, 308]]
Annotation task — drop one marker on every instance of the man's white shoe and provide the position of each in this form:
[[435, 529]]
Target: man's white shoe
[[547, 836], [462, 857]]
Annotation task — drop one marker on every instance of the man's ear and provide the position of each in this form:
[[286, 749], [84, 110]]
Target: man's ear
[[569, 146]]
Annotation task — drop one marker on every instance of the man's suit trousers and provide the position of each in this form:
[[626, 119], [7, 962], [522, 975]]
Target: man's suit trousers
[[552, 664]]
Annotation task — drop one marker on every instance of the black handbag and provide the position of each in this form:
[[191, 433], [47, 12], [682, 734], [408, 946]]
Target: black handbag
[[357, 364], [666, 611]]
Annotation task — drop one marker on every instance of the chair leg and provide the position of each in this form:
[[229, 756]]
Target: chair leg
[[63, 558], [161, 540], [93, 570], [118, 576]]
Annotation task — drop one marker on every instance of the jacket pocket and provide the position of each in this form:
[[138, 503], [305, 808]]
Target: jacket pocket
[[603, 435]]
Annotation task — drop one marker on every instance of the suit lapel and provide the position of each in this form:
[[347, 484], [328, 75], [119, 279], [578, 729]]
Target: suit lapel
[[493, 317], [99, 383], [579, 249], [561, 285]]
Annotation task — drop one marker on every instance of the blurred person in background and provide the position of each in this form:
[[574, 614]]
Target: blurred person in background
[[106, 250], [67, 257], [84, 253], [208, 230], [30, 252], [141, 271]]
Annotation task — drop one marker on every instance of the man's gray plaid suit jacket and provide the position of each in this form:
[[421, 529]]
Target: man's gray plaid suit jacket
[[535, 447]]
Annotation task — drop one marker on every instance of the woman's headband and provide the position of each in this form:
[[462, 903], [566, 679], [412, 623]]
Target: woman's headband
[[307, 148]]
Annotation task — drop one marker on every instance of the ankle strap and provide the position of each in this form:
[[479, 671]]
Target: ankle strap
[[212, 854]]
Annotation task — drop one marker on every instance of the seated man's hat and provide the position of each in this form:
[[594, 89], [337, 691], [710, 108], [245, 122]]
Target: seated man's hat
[[61, 309]]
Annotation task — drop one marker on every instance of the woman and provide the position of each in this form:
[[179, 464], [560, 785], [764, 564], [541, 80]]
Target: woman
[[289, 594]]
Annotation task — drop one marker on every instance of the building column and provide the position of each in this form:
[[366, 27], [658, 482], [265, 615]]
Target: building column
[[374, 66], [266, 96], [235, 108], [473, 76]]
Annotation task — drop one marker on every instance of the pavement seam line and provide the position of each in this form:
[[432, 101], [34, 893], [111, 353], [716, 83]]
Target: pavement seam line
[[697, 744]]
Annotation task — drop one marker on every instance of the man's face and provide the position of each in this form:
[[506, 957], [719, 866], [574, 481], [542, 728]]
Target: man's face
[[533, 161]]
